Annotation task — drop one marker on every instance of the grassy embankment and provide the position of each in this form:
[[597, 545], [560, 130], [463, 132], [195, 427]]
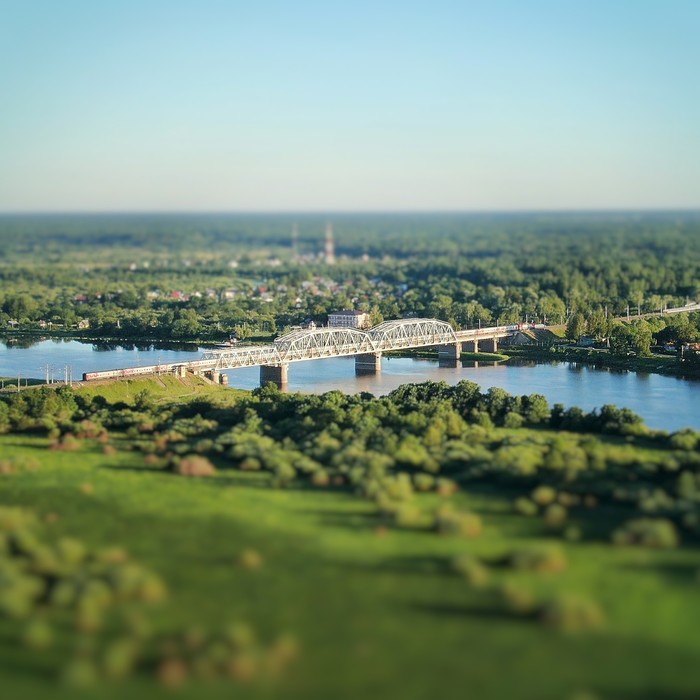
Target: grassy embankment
[[162, 389], [377, 612]]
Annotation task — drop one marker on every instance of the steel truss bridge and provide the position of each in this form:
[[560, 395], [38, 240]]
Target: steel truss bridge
[[317, 343]]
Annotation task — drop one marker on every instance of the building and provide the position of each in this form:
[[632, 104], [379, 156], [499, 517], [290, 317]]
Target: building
[[348, 319]]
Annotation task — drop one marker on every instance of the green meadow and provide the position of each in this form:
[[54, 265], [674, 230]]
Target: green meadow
[[372, 609]]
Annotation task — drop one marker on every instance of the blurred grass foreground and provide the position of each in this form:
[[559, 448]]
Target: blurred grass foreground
[[269, 545]]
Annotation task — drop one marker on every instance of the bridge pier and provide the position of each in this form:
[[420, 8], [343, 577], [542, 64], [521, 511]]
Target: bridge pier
[[213, 375], [471, 346], [368, 363], [452, 351], [277, 374], [491, 345], [216, 376]]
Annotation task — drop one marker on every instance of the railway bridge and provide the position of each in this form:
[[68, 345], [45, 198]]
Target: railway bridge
[[316, 343]]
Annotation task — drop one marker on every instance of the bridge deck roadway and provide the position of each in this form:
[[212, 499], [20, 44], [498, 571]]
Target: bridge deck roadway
[[322, 343]]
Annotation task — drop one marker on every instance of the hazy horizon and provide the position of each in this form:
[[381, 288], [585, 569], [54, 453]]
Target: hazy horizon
[[348, 212], [221, 107]]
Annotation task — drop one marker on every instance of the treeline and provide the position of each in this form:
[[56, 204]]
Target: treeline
[[194, 276], [636, 337]]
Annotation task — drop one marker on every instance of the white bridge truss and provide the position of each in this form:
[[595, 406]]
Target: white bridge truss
[[323, 342], [335, 342]]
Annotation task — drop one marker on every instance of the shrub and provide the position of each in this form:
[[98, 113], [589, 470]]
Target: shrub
[[525, 506], [251, 464], [684, 440], [320, 478], [517, 598], [407, 515], [539, 559], [449, 521], [283, 474], [194, 465], [423, 482], [555, 515], [68, 443], [568, 500], [446, 487], [250, 559], [544, 495], [513, 420], [658, 533], [570, 613], [573, 533], [471, 569]]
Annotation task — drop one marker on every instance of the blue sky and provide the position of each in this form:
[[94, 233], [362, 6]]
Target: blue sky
[[323, 106]]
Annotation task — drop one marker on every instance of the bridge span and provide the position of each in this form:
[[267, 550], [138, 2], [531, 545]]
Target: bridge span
[[316, 343]]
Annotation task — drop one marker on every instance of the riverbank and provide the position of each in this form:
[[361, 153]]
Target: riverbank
[[27, 338], [656, 364]]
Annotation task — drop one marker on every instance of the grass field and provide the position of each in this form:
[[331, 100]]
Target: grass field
[[376, 612]]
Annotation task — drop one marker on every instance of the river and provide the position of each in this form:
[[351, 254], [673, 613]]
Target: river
[[664, 402]]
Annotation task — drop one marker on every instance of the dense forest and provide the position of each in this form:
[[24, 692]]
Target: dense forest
[[200, 277]]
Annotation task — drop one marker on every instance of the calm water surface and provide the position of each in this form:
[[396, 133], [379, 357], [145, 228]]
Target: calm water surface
[[664, 402]]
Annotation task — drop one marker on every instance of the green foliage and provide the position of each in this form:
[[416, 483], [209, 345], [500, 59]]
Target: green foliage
[[538, 559], [634, 338], [657, 533], [572, 614], [450, 521], [576, 327], [471, 569]]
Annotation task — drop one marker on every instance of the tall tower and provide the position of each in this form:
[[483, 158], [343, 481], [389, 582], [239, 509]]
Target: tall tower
[[295, 241], [330, 245]]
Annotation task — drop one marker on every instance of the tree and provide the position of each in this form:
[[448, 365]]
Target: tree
[[642, 337], [187, 324], [620, 340], [576, 327], [551, 308], [598, 324], [633, 338]]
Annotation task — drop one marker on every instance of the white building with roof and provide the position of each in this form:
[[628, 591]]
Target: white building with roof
[[348, 319]]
